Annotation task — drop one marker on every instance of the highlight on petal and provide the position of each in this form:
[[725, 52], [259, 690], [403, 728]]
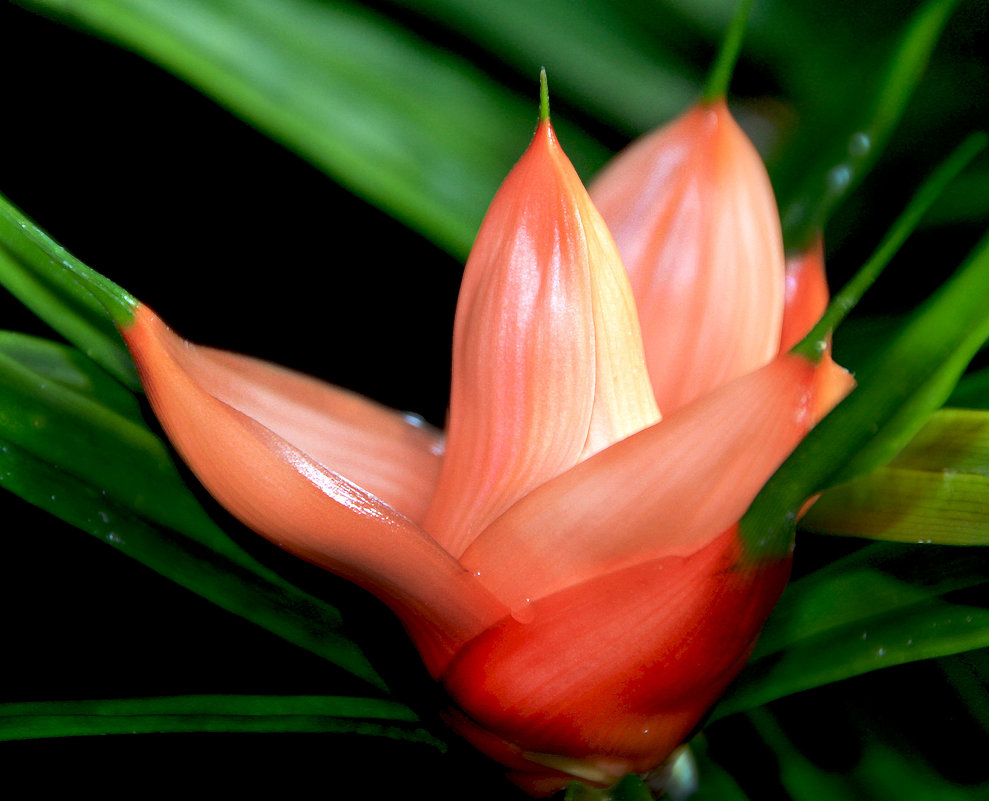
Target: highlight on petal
[[295, 501], [806, 294], [666, 491], [695, 220], [395, 457], [616, 671], [548, 365]]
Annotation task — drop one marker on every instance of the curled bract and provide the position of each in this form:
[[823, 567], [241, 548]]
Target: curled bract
[[566, 561]]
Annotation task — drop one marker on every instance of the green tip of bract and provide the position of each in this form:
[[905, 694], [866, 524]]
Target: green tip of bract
[[724, 65], [118, 302], [543, 96]]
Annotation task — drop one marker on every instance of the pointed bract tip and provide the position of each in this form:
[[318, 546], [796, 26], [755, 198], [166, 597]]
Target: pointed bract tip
[[543, 96], [716, 87]]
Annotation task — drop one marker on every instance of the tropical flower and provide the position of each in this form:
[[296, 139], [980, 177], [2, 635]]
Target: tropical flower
[[567, 563]]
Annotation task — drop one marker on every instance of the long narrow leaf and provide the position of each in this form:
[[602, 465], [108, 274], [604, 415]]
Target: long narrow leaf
[[839, 168], [65, 293], [212, 713], [884, 605]]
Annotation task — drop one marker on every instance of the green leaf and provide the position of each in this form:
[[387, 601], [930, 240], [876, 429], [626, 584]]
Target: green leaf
[[972, 391], [934, 491], [835, 170], [71, 429], [884, 605], [414, 129], [212, 713], [79, 303], [64, 449], [69, 368], [925, 630]]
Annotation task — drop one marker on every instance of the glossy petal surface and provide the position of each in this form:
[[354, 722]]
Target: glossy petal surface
[[547, 364], [393, 456]]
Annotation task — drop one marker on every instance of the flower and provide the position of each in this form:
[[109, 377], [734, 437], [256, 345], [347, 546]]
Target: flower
[[567, 563]]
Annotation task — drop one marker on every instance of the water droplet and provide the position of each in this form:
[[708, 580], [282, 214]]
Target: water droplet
[[104, 516], [114, 538], [524, 613], [865, 635], [859, 145], [839, 178], [880, 651]]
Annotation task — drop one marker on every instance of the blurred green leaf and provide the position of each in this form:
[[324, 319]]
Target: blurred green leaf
[[968, 675], [849, 296], [836, 169], [972, 391], [414, 129], [881, 772], [714, 782], [212, 713], [623, 74]]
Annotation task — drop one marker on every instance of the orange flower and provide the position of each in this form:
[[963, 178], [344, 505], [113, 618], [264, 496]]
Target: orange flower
[[567, 565]]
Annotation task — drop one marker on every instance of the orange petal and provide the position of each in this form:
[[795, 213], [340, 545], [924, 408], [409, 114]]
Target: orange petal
[[298, 503], [668, 490], [694, 216], [806, 294], [616, 671], [393, 456], [547, 363]]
